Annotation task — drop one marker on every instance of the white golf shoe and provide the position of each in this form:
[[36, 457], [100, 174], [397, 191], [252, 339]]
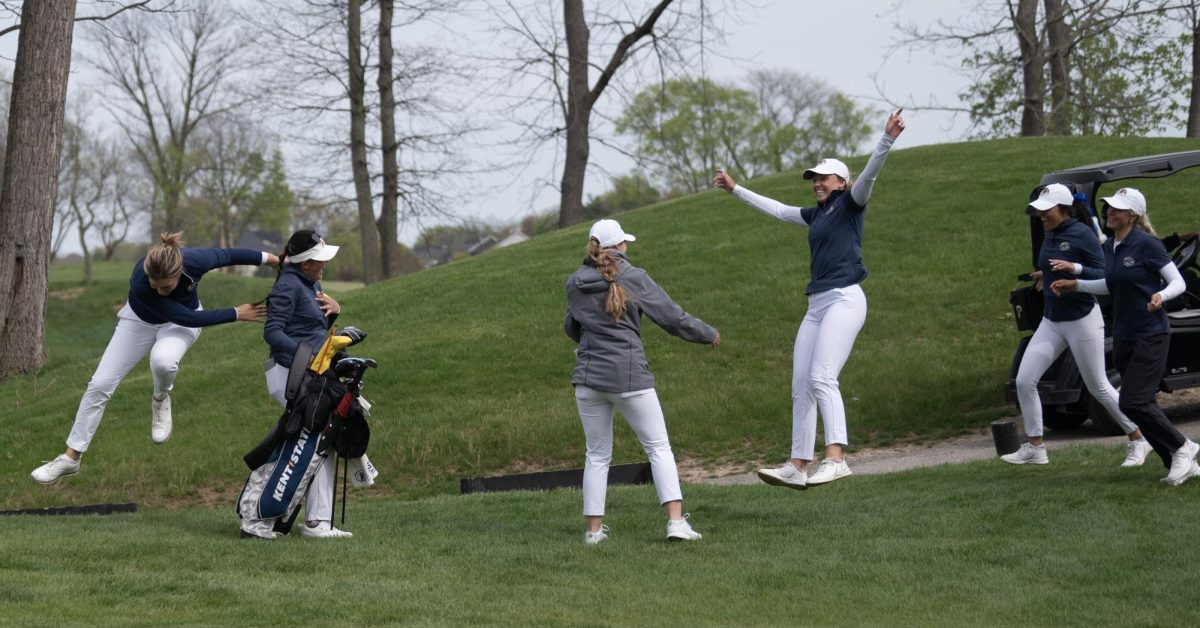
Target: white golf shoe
[[1136, 452], [1181, 463], [1027, 454], [1192, 472], [61, 467], [829, 471], [324, 530], [785, 475], [160, 421], [681, 530], [594, 538]]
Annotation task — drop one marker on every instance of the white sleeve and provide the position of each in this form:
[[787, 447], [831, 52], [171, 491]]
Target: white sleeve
[[770, 207], [264, 258], [861, 190], [1175, 285], [1092, 286]]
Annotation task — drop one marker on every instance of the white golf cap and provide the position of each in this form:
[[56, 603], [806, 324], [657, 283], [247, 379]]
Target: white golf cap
[[1051, 196], [608, 233], [828, 166], [320, 252], [1129, 199]]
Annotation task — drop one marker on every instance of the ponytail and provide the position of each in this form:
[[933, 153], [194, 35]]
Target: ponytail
[[165, 259], [615, 299]]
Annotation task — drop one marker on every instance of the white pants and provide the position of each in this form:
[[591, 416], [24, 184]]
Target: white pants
[[1085, 337], [319, 505], [644, 414], [131, 341], [823, 345]]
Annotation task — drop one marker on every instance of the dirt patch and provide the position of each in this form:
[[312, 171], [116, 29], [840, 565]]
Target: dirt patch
[[68, 294]]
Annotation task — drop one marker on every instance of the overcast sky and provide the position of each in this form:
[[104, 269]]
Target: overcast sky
[[845, 44]]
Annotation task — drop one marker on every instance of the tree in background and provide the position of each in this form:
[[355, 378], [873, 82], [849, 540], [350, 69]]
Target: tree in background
[[1188, 14], [95, 189], [170, 75], [237, 185], [687, 127], [1101, 66], [623, 42], [628, 192], [316, 59], [30, 179]]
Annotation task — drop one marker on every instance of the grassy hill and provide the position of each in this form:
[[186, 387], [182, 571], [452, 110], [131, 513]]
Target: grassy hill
[[474, 369]]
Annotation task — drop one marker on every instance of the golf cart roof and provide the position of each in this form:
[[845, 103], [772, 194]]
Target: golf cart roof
[[1148, 167]]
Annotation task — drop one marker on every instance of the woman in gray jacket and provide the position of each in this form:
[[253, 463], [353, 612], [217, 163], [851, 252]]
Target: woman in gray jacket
[[606, 298]]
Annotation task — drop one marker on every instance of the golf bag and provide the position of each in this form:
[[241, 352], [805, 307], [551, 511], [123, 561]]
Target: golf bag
[[325, 418]]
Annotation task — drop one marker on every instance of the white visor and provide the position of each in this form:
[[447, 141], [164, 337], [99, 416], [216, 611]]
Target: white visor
[[320, 253]]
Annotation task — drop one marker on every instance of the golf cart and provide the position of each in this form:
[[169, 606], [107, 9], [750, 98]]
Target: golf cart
[[1066, 402]]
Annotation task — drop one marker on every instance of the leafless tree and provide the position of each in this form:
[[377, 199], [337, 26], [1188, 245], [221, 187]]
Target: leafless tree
[[30, 179], [95, 187], [616, 40], [331, 49], [165, 80]]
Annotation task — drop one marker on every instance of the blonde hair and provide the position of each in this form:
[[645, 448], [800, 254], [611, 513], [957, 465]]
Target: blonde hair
[[615, 300], [1143, 221], [165, 259]]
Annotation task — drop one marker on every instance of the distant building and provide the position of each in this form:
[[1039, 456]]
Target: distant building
[[258, 240]]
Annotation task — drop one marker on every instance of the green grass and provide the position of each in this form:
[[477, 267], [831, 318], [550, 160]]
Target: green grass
[[474, 369], [1078, 543]]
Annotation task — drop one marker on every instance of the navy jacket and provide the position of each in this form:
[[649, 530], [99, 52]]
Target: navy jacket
[[182, 305], [1131, 271], [1072, 241], [835, 232], [610, 356], [293, 316]]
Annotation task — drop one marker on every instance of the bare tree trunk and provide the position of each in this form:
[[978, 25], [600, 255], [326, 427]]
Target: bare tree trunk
[[1060, 76], [579, 114], [1033, 79], [1193, 121], [87, 255], [581, 99], [358, 145], [30, 180], [388, 220]]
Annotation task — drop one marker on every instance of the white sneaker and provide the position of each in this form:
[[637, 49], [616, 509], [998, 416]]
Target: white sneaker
[[1181, 463], [785, 475], [324, 530], [160, 422], [1136, 452], [1192, 472], [594, 538], [681, 530], [1027, 454], [829, 471], [61, 467]]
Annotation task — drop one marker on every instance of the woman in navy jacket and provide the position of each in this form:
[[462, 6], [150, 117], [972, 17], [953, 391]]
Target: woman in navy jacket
[[1140, 276], [1070, 248], [162, 317], [837, 306], [298, 311]]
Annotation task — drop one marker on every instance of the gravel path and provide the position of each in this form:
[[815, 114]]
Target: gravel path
[[1183, 408]]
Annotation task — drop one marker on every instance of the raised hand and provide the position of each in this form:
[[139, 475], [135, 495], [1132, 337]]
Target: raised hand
[[722, 180], [895, 124]]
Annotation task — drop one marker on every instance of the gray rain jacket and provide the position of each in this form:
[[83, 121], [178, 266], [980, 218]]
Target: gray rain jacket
[[610, 356]]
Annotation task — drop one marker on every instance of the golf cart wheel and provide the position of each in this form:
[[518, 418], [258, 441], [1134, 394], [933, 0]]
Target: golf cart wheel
[[1101, 419], [1065, 417]]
